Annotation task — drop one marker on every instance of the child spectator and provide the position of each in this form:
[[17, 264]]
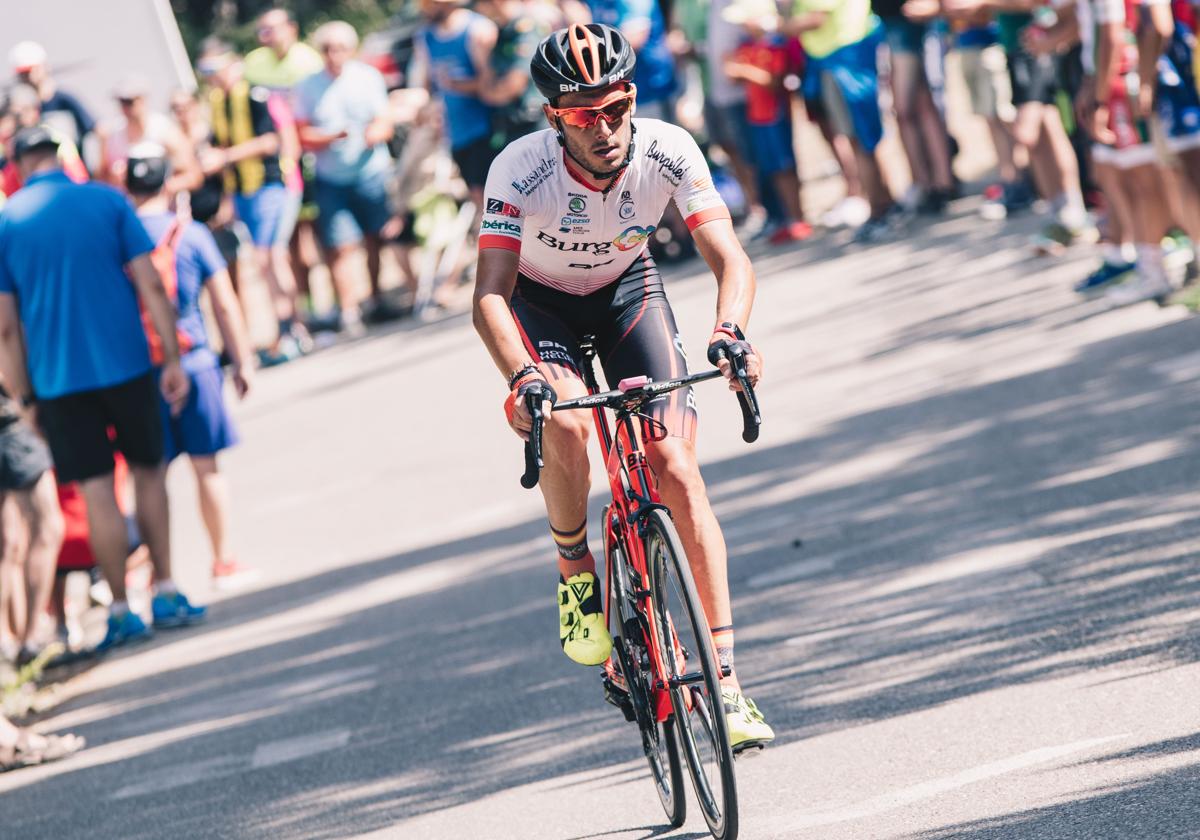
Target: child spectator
[[188, 255], [761, 63]]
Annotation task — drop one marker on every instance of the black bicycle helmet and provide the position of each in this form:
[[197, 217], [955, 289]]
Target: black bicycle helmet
[[582, 58]]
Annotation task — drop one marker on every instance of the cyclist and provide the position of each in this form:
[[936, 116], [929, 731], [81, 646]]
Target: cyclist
[[562, 253]]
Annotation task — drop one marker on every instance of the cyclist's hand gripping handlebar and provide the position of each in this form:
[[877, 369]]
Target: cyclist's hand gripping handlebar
[[736, 352], [534, 393]]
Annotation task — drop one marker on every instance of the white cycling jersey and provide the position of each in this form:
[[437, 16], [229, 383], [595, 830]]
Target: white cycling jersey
[[575, 238]]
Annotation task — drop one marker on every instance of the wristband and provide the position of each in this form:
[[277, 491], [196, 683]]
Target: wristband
[[730, 329], [516, 375]]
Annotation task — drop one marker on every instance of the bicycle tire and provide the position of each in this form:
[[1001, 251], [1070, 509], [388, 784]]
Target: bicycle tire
[[699, 710], [659, 740]]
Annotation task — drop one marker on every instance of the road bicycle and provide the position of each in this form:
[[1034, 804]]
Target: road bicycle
[[663, 673]]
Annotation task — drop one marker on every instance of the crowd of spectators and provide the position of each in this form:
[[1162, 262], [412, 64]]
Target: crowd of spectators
[[297, 154]]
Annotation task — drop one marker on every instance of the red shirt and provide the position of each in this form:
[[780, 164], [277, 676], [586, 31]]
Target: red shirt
[[765, 104]]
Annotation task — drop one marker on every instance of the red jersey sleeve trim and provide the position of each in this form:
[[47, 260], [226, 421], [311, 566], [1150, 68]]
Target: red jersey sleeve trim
[[492, 240], [696, 219]]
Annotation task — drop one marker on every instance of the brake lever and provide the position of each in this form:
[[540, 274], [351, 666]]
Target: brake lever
[[533, 446], [747, 400]]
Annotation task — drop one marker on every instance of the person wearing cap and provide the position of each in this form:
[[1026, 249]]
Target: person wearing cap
[[73, 350], [345, 118], [59, 108], [246, 148], [25, 111], [188, 255], [138, 124]]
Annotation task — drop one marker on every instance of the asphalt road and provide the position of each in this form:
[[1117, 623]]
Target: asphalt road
[[964, 560]]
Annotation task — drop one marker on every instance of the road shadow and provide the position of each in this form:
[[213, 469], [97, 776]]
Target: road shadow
[[982, 537]]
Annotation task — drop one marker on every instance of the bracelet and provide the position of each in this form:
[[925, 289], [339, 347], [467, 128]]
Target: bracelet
[[515, 376]]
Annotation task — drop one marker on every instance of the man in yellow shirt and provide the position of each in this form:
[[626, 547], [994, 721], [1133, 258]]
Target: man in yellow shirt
[[283, 60], [841, 38]]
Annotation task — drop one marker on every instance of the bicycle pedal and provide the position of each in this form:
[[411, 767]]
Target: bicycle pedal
[[619, 697], [748, 748]]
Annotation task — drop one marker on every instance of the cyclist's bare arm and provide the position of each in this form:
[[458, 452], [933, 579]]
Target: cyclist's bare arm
[[719, 246], [495, 279]]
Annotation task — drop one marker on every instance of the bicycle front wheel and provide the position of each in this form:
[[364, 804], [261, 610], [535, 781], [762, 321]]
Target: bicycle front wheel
[[659, 741], [693, 676]]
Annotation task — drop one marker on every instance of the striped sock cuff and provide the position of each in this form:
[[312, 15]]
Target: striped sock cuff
[[572, 545]]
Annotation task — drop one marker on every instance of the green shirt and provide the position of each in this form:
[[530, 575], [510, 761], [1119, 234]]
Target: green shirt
[[263, 68], [847, 22], [1009, 27]]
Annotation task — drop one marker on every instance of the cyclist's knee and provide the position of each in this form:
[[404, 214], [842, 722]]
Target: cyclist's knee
[[568, 431], [674, 462]]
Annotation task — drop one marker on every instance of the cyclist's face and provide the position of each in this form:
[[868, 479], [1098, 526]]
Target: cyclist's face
[[603, 146]]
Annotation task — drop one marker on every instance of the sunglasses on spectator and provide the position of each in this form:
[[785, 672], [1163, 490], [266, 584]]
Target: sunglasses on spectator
[[611, 112], [127, 101]]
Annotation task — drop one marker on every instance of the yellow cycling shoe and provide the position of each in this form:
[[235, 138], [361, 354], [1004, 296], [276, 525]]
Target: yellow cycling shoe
[[581, 629], [747, 726]]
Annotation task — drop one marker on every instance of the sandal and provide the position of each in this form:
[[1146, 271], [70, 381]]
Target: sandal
[[25, 754]]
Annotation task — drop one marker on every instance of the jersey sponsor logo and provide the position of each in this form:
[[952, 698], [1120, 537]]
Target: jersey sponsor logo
[[702, 184], [673, 169], [568, 88], [695, 204], [632, 237], [600, 249], [577, 204], [589, 266], [536, 178], [500, 227], [626, 211], [502, 208]]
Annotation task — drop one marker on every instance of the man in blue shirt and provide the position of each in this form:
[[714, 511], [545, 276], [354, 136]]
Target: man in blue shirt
[[65, 249], [641, 21]]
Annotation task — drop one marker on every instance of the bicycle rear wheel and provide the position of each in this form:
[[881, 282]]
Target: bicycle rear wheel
[[659, 740], [693, 674]]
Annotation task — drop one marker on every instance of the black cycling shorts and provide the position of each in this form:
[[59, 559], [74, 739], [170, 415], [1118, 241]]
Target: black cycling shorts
[[635, 335], [24, 457], [78, 428], [1034, 78]]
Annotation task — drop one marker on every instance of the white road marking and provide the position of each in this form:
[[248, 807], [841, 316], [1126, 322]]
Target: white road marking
[[290, 749], [935, 787]]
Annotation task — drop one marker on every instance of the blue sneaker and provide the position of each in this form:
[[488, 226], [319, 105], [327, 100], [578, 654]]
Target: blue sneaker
[[1106, 274], [175, 611], [123, 630]]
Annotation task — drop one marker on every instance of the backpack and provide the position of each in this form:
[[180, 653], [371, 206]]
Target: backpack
[[163, 259]]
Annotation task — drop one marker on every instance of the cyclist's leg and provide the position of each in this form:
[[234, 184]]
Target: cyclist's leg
[[645, 340], [543, 321]]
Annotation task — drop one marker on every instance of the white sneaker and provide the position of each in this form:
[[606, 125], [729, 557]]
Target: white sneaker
[[1139, 289], [851, 211]]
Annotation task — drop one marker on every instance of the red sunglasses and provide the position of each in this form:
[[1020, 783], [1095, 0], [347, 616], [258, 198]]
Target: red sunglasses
[[611, 112]]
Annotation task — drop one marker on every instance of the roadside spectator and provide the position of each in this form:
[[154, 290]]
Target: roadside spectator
[[515, 101], [922, 130], [138, 124], [27, 482], [246, 148], [25, 111], [840, 39], [64, 293], [281, 63], [455, 46], [283, 60], [60, 109], [642, 23], [188, 259], [761, 63], [344, 117]]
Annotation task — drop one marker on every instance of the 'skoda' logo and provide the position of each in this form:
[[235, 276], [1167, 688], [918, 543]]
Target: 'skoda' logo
[[632, 237]]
